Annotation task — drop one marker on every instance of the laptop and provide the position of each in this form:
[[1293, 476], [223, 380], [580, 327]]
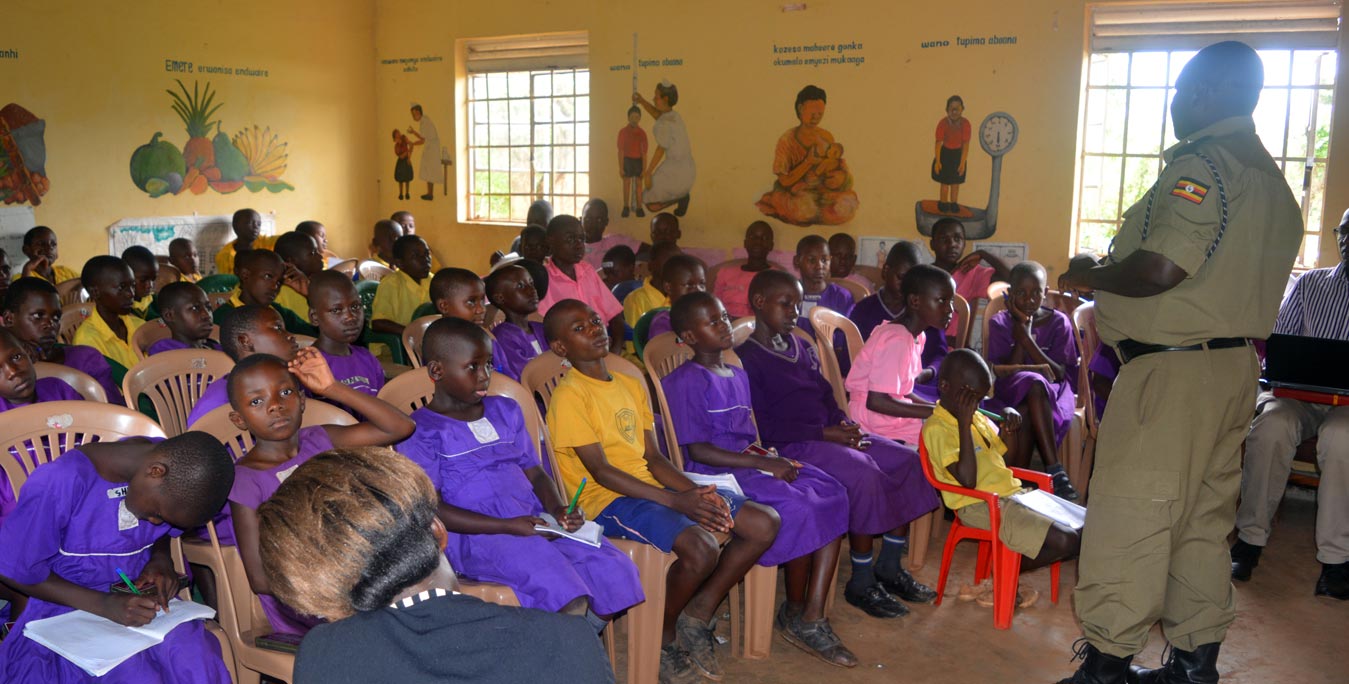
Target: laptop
[[1313, 364]]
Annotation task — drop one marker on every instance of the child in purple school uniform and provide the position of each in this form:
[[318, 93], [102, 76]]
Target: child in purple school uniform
[[20, 386], [710, 404], [460, 293], [1034, 356], [186, 312], [486, 468], [32, 311], [812, 260], [888, 303], [266, 398], [510, 288], [796, 413], [336, 310], [97, 509], [245, 330]]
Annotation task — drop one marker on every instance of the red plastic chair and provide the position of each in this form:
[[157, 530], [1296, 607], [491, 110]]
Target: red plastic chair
[[1006, 563]]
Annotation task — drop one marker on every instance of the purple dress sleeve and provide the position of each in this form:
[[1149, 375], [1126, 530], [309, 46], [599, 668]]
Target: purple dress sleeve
[[998, 346], [32, 533], [93, 363]]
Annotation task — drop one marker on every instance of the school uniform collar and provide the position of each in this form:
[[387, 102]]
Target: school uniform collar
[[236, 298], [105, 331], [981, 423], [1219, 129], [421, 598]]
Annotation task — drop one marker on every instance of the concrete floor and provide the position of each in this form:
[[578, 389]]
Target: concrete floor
[[1282, 633]]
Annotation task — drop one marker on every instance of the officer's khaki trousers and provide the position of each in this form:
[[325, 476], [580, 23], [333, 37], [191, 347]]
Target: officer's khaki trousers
[[1164, 498]]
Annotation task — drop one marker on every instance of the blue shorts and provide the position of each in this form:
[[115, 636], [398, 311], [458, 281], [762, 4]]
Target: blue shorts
[[651, 523]]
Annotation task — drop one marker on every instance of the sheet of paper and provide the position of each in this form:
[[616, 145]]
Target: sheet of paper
[[1061, 511], [589, 533], [97, 645]]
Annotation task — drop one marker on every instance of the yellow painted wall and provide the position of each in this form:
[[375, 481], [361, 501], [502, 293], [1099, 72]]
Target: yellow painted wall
[[735, 104], [96, 72]]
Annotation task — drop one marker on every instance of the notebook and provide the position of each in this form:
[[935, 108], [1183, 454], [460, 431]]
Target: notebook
[[97, 645], [588, 533], [723, 481], [1061, 511], [1314, 364]]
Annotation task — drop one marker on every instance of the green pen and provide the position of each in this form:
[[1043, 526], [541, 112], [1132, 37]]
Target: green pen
[[991, 415], [576, 497], [129, 585]]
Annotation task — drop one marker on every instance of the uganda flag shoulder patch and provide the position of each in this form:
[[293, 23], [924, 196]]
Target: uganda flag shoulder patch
[[1190, 190]]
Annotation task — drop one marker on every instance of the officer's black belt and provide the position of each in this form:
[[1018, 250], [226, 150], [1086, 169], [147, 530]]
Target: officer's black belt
[[1132, 349]]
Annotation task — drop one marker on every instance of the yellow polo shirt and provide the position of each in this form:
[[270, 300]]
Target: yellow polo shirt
[[941, 436], [61, 273], [613, 414], [189, 277], [398, 297], [295, 302], [642, 300], [224, 259], [94, 332]]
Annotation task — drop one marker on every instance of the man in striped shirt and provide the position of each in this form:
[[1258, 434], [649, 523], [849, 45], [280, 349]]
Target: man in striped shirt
[[1317, 306]]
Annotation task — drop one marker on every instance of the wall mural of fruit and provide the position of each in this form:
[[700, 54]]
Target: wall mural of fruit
[[23, 156], [254, 158]]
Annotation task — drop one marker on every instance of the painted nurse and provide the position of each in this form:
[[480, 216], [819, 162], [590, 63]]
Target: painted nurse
[[669, 175]]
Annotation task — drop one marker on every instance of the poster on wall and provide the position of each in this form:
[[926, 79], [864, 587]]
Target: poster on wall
[[254, 158], [23, 156], [812, 184], [208, 233], [14, 222]]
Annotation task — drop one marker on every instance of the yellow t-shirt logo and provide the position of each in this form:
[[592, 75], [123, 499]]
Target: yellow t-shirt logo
[[626, 421]]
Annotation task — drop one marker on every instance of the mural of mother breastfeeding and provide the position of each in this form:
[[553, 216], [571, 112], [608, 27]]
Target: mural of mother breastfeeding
[[813, 185]]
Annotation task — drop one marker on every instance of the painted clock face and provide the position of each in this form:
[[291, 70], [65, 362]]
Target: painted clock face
[[998, 133]]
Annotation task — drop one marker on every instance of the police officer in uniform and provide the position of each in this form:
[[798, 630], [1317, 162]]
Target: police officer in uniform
[[1197, 269]]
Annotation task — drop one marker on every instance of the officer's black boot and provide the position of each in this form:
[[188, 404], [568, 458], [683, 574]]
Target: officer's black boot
[[1199, 666], [1097, 667]]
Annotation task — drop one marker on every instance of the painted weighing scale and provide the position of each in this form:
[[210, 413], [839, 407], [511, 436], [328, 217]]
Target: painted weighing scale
[[997, 135]]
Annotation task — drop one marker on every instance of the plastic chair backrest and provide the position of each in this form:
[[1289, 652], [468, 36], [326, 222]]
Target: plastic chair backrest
[[411, 390], [994, 306], [36, 434], [502, 386], [241, 615], [825, 321], [963, 323], [1084, 324], [366, 291], [664, 354], [82, 382], [303, 341], [373, 271], [174, 380], [219, 299], [220, 282], [72, 315], [148, 334], [872, 273], [1066, 302], [856, 289], [168, 274], [412, 337], [217, 423], [641, 333], [346, 266], [741, 329], [71, 291], [541, 375]]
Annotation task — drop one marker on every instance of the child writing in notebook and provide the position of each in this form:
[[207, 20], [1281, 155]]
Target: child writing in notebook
[[602, 429], [113, 289], [966, 450], [401, 292], [1033, 352], [710, 405], [247, 330], [102, 508], [518, 339], [888, 303], [187, 314], [266, 398], [335, 309], [32, 311], [493, 489], [881, 383], [797, 414]]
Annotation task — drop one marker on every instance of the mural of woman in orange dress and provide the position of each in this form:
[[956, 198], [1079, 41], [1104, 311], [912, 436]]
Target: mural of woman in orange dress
[[814, 185]]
